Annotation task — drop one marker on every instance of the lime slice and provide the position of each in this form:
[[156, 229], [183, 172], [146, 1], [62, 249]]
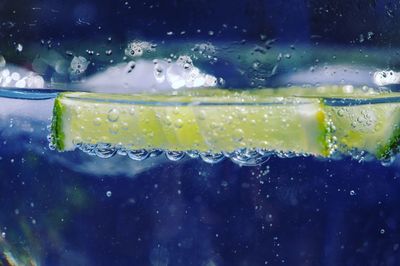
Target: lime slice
[[194, 121], [312, 121], [370, 125]]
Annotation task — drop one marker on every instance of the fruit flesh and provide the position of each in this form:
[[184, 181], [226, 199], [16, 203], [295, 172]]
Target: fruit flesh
[[295, 120]]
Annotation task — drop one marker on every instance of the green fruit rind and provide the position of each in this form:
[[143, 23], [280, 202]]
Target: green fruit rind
[[391, 147], [325, 136], [57, 133]]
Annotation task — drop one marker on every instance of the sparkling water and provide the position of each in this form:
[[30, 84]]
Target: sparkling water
[[104, 204]]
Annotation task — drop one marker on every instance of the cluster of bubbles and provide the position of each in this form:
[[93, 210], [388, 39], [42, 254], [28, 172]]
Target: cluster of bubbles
[[183, 74], [384, 78], [135, 73], [15, 79], [339, 151], [180, 74], [137, 48], [78, 65], [244, 157], [206, 50]]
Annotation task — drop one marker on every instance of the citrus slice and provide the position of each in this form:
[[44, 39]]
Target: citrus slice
[[370, 125], [314, 121]]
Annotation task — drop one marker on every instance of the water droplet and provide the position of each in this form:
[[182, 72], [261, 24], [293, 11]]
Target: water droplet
[[382, 231], [108, 193], [352, 193]]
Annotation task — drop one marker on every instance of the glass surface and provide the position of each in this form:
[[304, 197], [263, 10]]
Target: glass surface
[[73, 208]]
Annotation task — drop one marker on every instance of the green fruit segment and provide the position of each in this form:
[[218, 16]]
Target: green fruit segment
[[371, 127], [180, 123], [317, 121]]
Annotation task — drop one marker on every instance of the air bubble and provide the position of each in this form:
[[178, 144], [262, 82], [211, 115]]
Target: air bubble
[[2, 61], [21, 83], [52, 147], [5, 73], [155, 153], [78, 65], [138, 155], [105, 150], [130, 66], [175, 155], [97, 121], [179, 123], [185, 61], [340, 112], [193, 154], [387, 161], [87, 148], [212, 157], [19, 47], [137, 48], [15, 76], [114, 129], [121, 151], [159, 74], [113, 115], [249, 157]]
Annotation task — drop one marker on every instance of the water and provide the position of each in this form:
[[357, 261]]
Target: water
[[104, 205], [145, 209]]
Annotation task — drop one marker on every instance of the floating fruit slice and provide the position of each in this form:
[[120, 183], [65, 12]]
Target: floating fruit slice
[[315, 121]]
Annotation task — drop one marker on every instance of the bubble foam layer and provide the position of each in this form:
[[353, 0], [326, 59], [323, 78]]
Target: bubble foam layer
[[243, 157]]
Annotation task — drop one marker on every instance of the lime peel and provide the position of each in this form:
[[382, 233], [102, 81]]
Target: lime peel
[[57, 125], [391, 147]]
